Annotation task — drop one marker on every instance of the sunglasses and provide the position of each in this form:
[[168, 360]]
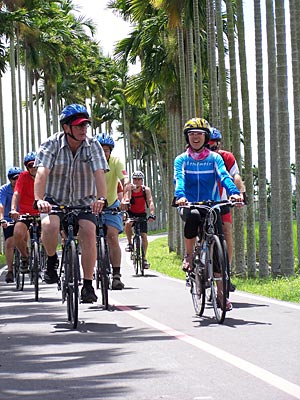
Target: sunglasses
[[195, 133], [30, 165], [14, 178], [83, 125]]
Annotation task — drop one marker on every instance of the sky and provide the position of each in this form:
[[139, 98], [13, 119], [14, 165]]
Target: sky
[[110, 28]]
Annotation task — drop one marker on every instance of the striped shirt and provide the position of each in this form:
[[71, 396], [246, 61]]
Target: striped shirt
[[71, 180]]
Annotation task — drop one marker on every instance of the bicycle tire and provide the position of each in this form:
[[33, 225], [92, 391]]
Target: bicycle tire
[[43, 260], [217, 283], [35, 270], [197, 292], [19, 277], [227, 267], [103, 270], [142, 252], [136, 254], [72, 277]]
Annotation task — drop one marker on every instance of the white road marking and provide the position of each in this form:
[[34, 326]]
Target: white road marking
[[252, 369]]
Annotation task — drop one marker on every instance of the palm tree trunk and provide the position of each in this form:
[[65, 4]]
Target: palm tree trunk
[[239, 253], [295, 41], [14, 103], [211, 40], [287, 241], [274, 147], [261, 147], [251, 244]]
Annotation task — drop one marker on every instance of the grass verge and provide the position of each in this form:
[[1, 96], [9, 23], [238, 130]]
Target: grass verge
[[168, 263]]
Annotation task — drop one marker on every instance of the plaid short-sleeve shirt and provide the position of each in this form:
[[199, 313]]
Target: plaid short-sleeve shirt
[[71, 180]]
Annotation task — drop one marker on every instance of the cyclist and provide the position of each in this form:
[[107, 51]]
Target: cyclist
[[6, 193], [114, 222], [140, 198], [70, 171], [214, 144], [197, 172], [22, 203]]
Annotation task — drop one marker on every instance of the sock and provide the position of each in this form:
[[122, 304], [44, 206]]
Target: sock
[[116, 271], [87, 282]]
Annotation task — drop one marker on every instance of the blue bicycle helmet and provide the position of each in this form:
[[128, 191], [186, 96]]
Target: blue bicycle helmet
[[106, 139], [215, 134], [73, 112], [29, 157], [13, 172]]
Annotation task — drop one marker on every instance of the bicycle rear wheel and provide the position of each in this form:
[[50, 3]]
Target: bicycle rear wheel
[[72, 277], [103, 270], [137, 258], [35, 270], [19, 277], [217, 278]]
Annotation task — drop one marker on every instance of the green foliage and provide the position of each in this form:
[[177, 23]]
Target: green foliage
[[169, 263]]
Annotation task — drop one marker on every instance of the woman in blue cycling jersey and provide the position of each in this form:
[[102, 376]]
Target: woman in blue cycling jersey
[[197, 172]]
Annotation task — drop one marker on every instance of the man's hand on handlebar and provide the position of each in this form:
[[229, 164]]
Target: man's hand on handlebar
[[43, 206]]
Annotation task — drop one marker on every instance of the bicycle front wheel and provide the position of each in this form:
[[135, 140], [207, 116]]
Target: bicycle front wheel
[[19, 277], [35, 270], [227, 267], [217, 279], [197, 292], [103, 270], [72, 278], [137, 256]]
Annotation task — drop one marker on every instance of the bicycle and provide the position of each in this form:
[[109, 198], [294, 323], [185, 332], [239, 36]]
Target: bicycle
[[137, 252], [37, 260], [69, 270], [210, 266], [103, 268], [18, 275]]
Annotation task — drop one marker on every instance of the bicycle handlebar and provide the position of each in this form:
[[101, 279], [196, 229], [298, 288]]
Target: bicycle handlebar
[[210, 203], [65, 209]]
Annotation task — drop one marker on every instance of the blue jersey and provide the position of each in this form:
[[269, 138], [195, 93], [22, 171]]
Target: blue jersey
[[197, 180], [6, 194]]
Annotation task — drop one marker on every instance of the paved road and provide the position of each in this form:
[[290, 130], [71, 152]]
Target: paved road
[[148, 346]]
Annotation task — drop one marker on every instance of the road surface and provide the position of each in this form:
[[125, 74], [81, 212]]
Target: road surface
[[148, 346]]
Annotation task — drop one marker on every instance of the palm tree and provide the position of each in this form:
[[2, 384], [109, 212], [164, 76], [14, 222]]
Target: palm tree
[[251, 248], [261, 148], [211, 50], [235, 127], [295, 42], [222, 81], [287, 248], [274, 146]]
